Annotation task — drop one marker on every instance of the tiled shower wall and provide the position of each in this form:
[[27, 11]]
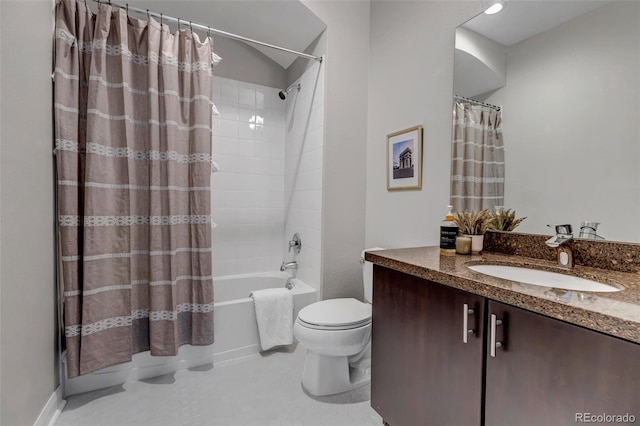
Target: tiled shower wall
[[303, 171], [248, 191], [270, 181]]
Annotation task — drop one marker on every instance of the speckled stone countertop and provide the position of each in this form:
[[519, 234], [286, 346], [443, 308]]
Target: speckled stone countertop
[[614, 313]]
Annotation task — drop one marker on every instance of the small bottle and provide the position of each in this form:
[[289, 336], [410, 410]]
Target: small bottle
[[448, 233]]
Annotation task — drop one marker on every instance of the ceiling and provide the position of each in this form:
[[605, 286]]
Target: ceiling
[[286, 23], [520, 19]]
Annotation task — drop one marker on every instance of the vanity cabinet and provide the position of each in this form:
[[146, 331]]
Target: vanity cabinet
[[548, 372], [422, 372], [544, 372]]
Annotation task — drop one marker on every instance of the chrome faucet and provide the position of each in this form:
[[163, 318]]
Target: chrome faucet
[[295, 244], [589, 229], [289, 284], [289, 265], [564, 234]]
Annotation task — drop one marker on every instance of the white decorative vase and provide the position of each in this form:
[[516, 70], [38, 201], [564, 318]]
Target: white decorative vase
[[477, 242]]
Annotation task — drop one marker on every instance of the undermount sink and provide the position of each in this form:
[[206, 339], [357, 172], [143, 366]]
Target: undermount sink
[[542, 278]]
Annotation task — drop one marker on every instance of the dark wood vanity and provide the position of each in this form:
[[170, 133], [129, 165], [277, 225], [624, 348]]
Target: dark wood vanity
[[432, 357]]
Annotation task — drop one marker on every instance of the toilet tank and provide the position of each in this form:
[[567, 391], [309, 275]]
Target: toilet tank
[[367, 275]]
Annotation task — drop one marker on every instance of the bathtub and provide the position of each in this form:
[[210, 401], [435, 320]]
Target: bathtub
[[235, 333], [235, 326]]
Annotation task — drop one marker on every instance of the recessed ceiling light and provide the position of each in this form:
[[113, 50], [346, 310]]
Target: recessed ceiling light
[[494, 8]]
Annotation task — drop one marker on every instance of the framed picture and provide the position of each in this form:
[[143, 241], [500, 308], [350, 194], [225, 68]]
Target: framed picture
[[404, 159]]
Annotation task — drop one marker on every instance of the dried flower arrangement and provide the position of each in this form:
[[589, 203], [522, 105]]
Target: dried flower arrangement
[[504, 220], [473, 222]]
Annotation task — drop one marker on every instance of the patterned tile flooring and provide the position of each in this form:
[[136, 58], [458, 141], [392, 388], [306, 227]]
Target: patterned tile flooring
[[260, 390]]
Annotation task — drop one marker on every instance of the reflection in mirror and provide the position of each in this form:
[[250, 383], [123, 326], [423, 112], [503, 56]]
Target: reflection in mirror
[[569, 90]]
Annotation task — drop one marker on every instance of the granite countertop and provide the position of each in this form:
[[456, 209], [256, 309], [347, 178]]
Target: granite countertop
[[613, 313]]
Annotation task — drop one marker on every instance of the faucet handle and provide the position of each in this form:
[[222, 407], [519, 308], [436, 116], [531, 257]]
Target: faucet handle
[[295, 243], [562, 229]]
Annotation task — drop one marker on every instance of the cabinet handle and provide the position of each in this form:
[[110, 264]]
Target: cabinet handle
[[495, 322], [465, 322]]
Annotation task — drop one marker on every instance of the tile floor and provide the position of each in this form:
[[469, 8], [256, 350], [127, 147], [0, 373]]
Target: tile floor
[[261, 390]]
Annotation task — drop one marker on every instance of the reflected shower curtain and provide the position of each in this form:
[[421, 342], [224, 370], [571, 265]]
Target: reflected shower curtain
[[477, 167], [132, 109]]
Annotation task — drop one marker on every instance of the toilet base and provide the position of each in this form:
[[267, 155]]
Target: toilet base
[[328, 375]]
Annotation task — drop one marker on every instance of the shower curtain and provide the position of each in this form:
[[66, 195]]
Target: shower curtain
[[132, 105], [477, 168]]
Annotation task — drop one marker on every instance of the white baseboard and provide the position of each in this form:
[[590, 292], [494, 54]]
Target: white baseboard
[[144, 366], [51, 411]]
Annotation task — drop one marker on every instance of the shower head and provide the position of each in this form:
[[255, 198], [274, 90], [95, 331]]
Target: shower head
[[283, 93]]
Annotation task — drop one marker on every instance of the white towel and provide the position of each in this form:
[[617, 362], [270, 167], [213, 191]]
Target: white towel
[[274, 312]]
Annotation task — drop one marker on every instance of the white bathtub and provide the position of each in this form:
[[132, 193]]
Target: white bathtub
[[235, 333], [235, 326]]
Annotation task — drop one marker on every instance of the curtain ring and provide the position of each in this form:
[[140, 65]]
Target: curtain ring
[[178, 24], [161, 20], [127, 10], [190, 26], [148, 17], [208, 32]]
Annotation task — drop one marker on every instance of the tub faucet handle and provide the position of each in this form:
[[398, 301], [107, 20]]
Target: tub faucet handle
[[295, 243]]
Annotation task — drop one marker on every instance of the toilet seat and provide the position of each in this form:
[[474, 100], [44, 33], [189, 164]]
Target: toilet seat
[[335, 314]]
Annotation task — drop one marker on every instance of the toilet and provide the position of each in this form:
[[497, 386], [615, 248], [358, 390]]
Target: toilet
[[337, 335]]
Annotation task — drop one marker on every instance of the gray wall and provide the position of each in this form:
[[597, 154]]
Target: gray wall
[[408, 81], [244, 63], [347, 59], [27, 302], [571, 105], [411, 83]]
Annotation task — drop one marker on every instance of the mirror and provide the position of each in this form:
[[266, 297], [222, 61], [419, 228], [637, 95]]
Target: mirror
[[567, 77]]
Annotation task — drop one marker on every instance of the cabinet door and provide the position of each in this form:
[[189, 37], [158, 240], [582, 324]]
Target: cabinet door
[[422, 372], [548, 372]]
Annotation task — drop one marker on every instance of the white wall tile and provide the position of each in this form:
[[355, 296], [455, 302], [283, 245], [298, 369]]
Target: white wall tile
[[245, 131], [313, 139], [222, 267], [246, 96], [246, 114], [228, 93], [263, 149], [262, 99], [303, 174], [249, 201], [228, 128], [224, 146], [311, 160], [246, 148], [228, 111], [215, 130]]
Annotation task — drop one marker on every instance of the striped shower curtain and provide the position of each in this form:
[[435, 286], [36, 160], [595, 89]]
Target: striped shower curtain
[[477, 167], [132, 109]]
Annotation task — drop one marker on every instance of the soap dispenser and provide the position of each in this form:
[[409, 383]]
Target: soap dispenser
[[448, 233]]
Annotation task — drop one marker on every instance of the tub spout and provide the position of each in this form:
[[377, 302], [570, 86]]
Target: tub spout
[[289, 284], [289, 265]]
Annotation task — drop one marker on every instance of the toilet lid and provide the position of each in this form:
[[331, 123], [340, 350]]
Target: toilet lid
[[336, 313]]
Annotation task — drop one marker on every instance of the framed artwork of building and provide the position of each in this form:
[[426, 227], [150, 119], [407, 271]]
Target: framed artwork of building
[[404, 159]]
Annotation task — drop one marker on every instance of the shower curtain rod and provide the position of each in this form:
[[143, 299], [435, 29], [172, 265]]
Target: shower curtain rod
[[208, 29], [473, 101]]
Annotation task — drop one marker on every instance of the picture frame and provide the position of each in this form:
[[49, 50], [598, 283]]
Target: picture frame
[[404, 159]]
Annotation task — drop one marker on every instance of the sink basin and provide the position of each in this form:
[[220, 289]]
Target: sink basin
[[542, 278]]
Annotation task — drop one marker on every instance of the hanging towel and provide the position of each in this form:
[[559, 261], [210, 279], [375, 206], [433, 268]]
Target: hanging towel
[[274, 312]]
